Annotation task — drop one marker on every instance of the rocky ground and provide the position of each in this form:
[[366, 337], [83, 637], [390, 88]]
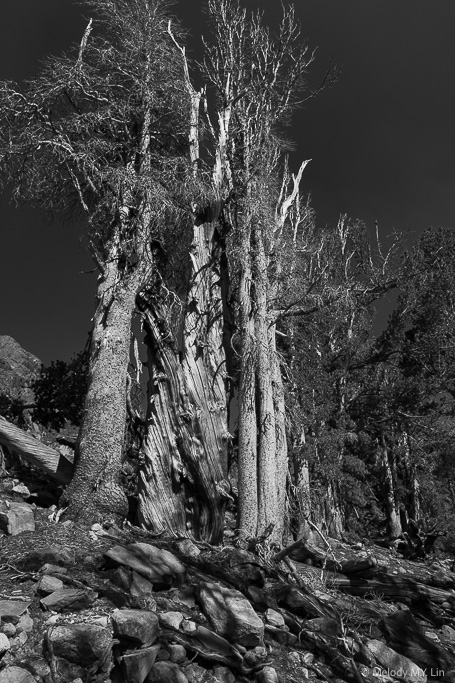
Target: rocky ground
[[109, 604]]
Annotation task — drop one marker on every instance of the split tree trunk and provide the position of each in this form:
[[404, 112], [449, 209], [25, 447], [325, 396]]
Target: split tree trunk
[[183, 484]]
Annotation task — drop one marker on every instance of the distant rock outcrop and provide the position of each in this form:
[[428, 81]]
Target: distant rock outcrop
[[18, 368]]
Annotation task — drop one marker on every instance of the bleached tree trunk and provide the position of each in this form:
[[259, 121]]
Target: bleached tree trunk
[[36, 453], [392, 513], [184, 484], [268, 475]]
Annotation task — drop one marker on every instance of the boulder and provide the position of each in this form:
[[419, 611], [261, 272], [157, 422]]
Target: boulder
[[393, 664], [69, 599], [16, 517], [85, 645], [230, 614], [52, 554], [166, 672], [136, 665], [12, 610], [160, 567], [16, 674], [138, 626], [18, 369], [48, 584]]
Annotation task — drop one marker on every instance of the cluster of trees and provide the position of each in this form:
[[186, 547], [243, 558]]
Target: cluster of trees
[[258, 327]]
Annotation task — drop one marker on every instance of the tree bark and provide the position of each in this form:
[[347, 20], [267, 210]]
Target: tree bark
[[268, 512], [247, 453], [184, 482], [95, 493], [47, 459]]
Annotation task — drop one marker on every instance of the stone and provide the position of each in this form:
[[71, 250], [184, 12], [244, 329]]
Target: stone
[[18, 369], [15, 518], [187, 547], [389, 661], [138, 626], [189, 626], [38, 666], [160, 567], [171, 619], [230, 614], [274, 618], [268, 675], [16, 674], [137, 665], [88, 645], [223, 674], [52, 554], [69, 599], [121, 577], [9, 630], [448, 633], [140, 585], [166, 672], [185, 595], [12, 610], [48, 584], [257, 596], [177, 653], [4, 643]]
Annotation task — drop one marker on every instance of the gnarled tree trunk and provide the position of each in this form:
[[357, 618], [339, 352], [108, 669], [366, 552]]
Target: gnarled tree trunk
[[183, 483]]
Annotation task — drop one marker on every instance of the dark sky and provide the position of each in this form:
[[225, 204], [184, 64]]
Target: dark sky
[[382, 142]]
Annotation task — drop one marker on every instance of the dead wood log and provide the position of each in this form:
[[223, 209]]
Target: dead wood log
[[36, 453], [406, 636]]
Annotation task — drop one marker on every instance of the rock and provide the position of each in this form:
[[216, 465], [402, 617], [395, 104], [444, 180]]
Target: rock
[[138, 626], [140, 585], [38, 666], [12, 610], [268, 675], [185, 595], [21, 489], [18, 369], [160, 567], [4, 643], [254, 657], [136, 665], [121, 577], [257, 596], [171, 619], [177, 653], [223, 674], [48, 584], [230, 614], [393, 664], [68, 599], [16, 674], [25, 623], [85, 645], [16, 518], [189, 626], [9, 630], [448, 634], [166, 672], [187, 547], [53, 554], [274, 618]]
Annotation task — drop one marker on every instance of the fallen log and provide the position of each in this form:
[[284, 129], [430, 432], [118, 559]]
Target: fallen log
[[36, 453]]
